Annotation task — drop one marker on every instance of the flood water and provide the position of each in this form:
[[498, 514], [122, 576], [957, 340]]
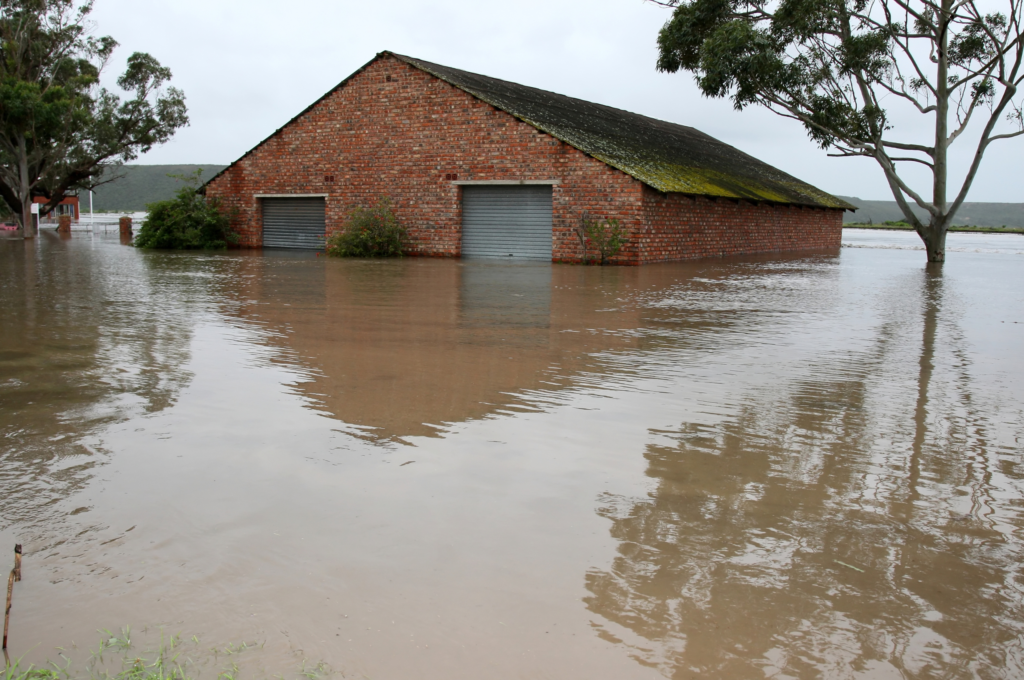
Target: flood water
[[769, 467]]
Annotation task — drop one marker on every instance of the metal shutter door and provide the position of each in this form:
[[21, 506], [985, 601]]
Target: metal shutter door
[[507, 221], [294, 223]]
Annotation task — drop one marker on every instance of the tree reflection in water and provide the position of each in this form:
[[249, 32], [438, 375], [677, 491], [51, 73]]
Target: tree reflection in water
[[90, 336], [840, 524]]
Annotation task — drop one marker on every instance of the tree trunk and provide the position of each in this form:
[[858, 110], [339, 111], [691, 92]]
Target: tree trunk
[[27, 223], [934, 238], [935, 241], [28, 227]]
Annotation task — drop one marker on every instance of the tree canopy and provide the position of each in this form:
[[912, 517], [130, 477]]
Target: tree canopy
[[60, 130], [841, 68]]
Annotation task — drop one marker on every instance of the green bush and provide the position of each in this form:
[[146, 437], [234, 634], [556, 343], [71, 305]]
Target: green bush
[[608, 236], [189, 221], [369, 232]]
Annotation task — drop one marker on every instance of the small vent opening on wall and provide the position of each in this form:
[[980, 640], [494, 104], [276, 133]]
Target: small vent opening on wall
[[328, 179], [451, 177]]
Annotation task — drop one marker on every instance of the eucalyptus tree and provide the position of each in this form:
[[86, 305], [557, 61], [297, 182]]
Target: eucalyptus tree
[[846, 68], [60, 130]]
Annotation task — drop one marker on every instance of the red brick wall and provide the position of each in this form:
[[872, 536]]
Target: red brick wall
[[679, 227], [395, 130]]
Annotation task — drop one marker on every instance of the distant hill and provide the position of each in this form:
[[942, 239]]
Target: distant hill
[[970, 214], [138, 185]]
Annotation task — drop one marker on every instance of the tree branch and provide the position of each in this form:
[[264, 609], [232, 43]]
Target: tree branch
[[1008, 135]]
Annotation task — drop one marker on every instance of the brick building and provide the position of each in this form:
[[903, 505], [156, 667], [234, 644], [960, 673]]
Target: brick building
[[476, 166]]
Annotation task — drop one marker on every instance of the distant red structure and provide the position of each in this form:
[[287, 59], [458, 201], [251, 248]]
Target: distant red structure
[[69, 206]]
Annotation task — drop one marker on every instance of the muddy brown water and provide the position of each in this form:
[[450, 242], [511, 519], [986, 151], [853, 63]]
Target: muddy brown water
[[800, 466]]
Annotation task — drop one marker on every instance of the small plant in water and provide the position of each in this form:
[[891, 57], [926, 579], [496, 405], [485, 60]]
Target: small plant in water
[[174, 659], [122, 640], [608, 236], [369, 232], [315, 672]]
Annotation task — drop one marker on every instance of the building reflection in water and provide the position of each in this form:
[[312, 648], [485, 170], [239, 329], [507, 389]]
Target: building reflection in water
[[398, 349], [505, 296], [844, 522], [840, 513]]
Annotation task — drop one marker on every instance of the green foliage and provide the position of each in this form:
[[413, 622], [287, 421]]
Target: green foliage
[[789, 58], [174, 658], [608, 236], [59, 129], [16, 672], [116, 659], [121, 640], [187, 222], [369, 232]]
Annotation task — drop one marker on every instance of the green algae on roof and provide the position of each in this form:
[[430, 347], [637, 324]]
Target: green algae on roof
[[665, 156]]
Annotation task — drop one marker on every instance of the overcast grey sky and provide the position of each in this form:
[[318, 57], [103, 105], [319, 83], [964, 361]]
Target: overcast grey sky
[[248, 66]]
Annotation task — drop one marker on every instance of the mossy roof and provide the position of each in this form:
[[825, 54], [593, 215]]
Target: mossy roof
[[665, 156]]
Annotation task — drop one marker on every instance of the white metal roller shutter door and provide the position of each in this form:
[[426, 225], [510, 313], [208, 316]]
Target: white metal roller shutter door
[[507, 221], [294, 223]]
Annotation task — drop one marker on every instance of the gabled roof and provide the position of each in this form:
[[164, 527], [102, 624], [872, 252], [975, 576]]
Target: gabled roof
[[665, 156]]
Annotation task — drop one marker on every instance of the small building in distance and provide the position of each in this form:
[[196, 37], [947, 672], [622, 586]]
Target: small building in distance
[[476, 166], [68, 206]]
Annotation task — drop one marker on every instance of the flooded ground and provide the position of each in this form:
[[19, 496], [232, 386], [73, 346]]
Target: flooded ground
[[784, 467]]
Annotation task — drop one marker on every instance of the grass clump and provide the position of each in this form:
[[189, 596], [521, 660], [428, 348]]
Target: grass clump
[[189, 221], [114, 660], [173, 658], [164, 664], [15, 672], [369, 232]]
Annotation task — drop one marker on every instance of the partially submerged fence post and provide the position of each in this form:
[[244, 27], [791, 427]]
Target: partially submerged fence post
[[15, 576], [125, 225]]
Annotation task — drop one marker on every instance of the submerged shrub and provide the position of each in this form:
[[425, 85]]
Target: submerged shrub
[[608, 236], [189, 221], [369, 232]]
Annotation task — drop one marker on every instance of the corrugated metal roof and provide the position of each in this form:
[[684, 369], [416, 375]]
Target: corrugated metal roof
[[665, 156]]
